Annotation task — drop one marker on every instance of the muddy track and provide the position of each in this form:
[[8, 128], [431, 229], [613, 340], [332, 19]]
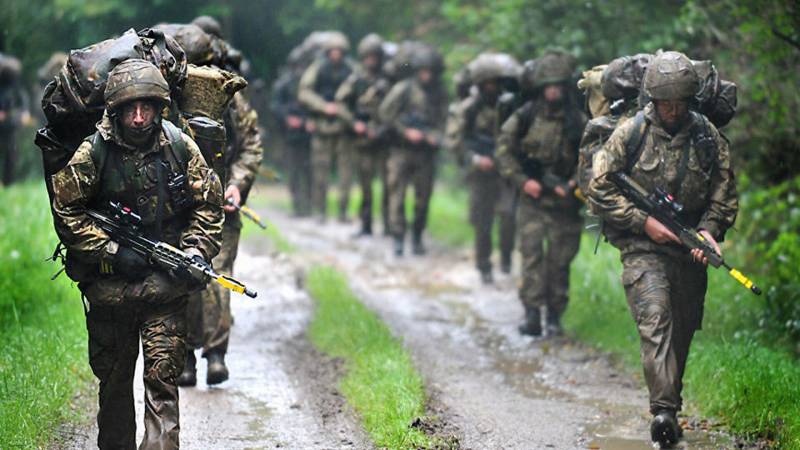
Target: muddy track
[[497, 388]]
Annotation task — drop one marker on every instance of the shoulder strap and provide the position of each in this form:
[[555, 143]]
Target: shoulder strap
[[99, 151], [633, 147], [176, 143], [471, 113], [527, 114]]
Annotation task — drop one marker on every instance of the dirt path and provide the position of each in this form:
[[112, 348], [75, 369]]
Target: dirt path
[[499, 389], [281, 393]]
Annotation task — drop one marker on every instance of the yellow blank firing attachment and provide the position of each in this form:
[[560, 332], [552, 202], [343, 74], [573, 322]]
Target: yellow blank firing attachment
[[235, 286], [746, 282]]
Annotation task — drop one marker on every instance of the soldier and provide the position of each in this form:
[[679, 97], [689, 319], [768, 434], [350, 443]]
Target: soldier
[[415, 109], [666, 145], [209, 312], [131, 159], [472, 134], [359, 98], [292, 121], [317, 92], [13, 114], [538, 152]]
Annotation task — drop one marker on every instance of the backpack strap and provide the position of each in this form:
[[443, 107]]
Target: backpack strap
[[526, 114], [99, 151], [633, 147], [177, 145]]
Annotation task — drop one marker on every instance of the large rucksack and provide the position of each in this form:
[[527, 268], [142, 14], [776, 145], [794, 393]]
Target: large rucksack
[[73, 102]]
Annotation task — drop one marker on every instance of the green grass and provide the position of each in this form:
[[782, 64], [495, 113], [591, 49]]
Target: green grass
[[381, 383], [43, 362]]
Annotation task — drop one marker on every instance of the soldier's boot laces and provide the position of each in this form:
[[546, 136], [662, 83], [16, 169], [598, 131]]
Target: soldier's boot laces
[[554, 323], [418, 247], [217, 372], [533, 323], [664, 429], [189, 375]]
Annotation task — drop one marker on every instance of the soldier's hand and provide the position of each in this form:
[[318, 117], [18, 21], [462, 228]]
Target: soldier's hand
[[432, 141], [3, 116], [484, 163], [232, 195], [294, 122], [129, 264], [360, 127], [533, 188], [413, 135], [560, 191], [658, 232], [311, 127], [331, 109], [698, 254]]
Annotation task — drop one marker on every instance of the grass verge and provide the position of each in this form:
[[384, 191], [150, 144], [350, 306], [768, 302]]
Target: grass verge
[[43, 362], [381, 383]]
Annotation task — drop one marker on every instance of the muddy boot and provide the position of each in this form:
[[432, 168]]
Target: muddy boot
[[418, 248], [486, 277], [533, 323], [664, 429], [505, 264], [188, 377], [554, 323], [217, 372], [365, 231]]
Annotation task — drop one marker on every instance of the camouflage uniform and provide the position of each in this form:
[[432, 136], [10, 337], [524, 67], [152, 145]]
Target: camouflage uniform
[[124, 306], [360, 97], [209, 312], [665, 288], [13, 104], [409, 104], [297, 141], [317, 89], [472, 132]]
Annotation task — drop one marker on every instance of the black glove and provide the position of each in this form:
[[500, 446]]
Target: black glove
[[129, 264]]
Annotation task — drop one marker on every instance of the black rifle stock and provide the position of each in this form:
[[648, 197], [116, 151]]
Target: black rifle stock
[[662, 207], [123, 227]]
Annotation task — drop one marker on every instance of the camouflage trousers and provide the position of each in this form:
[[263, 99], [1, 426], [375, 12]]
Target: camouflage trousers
[[371, 165], [9, 155], [209, 312], [404, 167], [665, 295], [298, 165], [115, 328], [548, 240], [323, 150], [490, 196]]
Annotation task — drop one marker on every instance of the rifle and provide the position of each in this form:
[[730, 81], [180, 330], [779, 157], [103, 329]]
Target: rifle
[[123, 225], [663, 207], [249, 213], [416, 121], [480, 144]]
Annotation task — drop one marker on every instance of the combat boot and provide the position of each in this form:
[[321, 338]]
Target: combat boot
[[505, 264], [366, 230], [398, 245], [533, 323], [217, 372], [418, 248], [554, 323], [664, 428], [188, 377], [486, 277]]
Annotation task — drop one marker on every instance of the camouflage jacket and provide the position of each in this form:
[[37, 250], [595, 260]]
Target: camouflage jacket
[[360, 97], [409, 105], [706, 188], [547, 151], [472, 129], [244, 152], [114, 171], [318, 87]]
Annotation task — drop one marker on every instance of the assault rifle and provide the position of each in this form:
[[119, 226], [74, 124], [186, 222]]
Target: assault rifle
[[663, 207], [124, 227], [480, 144], [249, 213]]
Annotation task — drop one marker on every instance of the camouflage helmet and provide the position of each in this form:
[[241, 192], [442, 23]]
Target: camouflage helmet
[[335, 40], [488, 66], [371, 44], [10, 68], [671, 76], [622, 78], [427, 57], [555, 66], [209, 24], [135, 79]]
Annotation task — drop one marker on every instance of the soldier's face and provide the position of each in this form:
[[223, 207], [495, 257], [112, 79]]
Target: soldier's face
[[138, 114], [672, 113], [490, 89], [335, 55], [425, 76], [553, 93], [370, 61]]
